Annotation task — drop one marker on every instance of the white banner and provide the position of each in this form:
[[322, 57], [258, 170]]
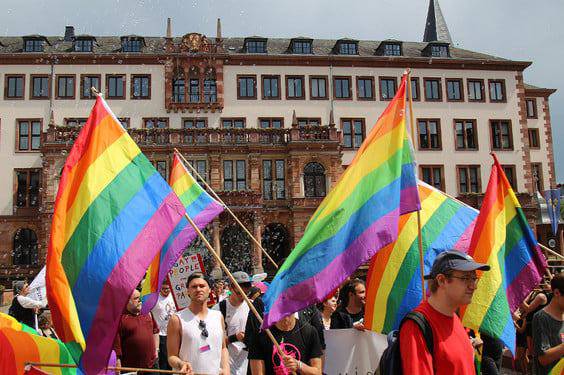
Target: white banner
[[37, 288], [178, 275], [352, 352]]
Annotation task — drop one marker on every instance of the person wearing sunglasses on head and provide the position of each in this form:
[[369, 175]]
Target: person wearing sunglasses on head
[[196, 336]]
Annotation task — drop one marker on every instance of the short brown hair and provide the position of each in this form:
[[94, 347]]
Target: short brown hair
[[196, 275], [557, 282]]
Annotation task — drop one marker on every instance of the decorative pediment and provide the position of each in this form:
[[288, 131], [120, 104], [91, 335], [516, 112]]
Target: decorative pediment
[[194, 43]]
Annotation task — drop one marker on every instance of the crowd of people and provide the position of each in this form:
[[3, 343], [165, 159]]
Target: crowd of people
[[219, 333]]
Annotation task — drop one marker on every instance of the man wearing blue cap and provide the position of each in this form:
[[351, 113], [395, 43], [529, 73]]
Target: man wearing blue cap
[[452, 282]]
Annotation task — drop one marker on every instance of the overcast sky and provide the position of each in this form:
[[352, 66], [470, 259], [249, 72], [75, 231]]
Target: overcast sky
[[514, 29]]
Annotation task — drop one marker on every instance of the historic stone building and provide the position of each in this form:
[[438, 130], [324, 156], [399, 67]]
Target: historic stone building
[[270, 123]]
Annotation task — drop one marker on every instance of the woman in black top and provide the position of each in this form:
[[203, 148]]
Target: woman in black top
[[333, 319]]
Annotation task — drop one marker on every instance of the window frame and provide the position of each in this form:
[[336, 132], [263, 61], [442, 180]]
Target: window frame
[[511, 140], [537, 132], [540, 179], [132, 87], [66, 120], [353, 134], [344, 78], [235, 178], [91, 95], [433, 167], [270, 121], [309, 121], [303, 173], [535, 114], [469, 183], [274, 179], [482, 91], [124, 81], [387, 78], [460, 81], [7, 77], [440, 89], [475, 130], [128, 41], [513, 169], [32, 86], [246, 76], [29, 135], [503, 91], [156, 119], [65, 76], [326, 79], [34, 41], [372, 87], [155, 163], [392, 47], [81, 41], [262, 86], [439, 134], [287, 87], [305, 42], [27, 208], [349, 43], [417, 82], [232, 119], [262, 42]]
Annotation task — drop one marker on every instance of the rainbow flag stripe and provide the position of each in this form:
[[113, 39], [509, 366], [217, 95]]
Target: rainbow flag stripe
[[112, 214], [201, 208], [558, 369], [358, 217], [394, 277], [503, 239], [20, 344]]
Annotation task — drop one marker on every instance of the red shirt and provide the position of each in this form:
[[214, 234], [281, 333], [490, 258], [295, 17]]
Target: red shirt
[[135, 340], [453, 352]]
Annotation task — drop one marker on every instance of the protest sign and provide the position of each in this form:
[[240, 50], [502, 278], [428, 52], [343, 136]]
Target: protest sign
[[178, 275], [37, 288]]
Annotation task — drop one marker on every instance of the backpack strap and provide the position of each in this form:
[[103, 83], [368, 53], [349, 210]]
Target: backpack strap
[[424, 326], [223, 308]]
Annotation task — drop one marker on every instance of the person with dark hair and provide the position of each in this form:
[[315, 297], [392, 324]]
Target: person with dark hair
[[331, 317], [196, 336], [23, 308], [162, 311], [353, 297], [548, 330], [45, 326], [452, 282]]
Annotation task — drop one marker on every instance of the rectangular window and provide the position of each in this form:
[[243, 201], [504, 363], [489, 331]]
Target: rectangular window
[[40, 87], [501, 135], [365, 88], [415, 92], [124, 121], [531, 108], [28, 135], [270, 87], [234, 175], [28, 182], [88, 81], [309, 121], [155, 123], [469, 179], [237, 123], [536, 169], [65, 87], [201, 166], [348, 48], [131, 45], [454, 90], [195, 123], [33, 45], [429, 134], [509, 171], [466, 133], [161, 167], [246, 87], [475, 90], [392, 49], [534, 140], [115, 86], [256, 46], [439, 51], [433, 90], [271, 122], [14, 86], [342, 87], [433, 175], [317, 87], [273, 179], [295, 87], [75, 121], [194, 90], [228, 175], [301, 47], [353, 132], [388, 87], [497, 90], [210, 90], [140, 87], [83, 45]]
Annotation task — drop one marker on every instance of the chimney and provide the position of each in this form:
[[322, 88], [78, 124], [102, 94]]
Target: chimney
[[218, 32], [69, 33], [168, 28]]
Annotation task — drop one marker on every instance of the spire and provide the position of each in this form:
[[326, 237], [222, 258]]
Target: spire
[[218, 32], [294, 119], [168, 28], [436, 29]]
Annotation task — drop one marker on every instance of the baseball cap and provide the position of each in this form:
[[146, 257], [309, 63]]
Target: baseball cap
[[242, 277], [454, 260]]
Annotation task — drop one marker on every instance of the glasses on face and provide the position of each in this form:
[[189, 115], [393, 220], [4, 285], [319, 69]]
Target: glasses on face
[[202, 326], [470, 280]]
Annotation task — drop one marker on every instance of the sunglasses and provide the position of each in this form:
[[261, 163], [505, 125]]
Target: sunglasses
[[202, 326]]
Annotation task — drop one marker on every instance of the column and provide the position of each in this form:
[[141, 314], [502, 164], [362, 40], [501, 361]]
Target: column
[[216, 272], [257, 232]]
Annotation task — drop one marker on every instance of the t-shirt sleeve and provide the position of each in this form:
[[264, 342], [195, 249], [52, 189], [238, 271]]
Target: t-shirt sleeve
[[315, 344], [541, 340], [416, 358]]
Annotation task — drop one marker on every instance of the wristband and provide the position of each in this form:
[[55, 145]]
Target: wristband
[[232, 338], [300, 366]]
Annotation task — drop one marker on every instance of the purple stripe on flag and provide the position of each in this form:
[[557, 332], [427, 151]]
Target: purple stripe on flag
[[381, 233], [125, 276], [463, 242], [522, 285], [409, 200]]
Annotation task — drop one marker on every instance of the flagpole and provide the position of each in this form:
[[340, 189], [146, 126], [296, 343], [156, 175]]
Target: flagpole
[[113, 368], [419, 236], [226, 207]]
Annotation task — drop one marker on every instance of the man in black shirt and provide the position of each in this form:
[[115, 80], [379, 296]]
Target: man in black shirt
[[301, 345], [354, 298]]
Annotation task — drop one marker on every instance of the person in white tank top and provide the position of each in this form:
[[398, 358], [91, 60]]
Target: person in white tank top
[[196, 336]]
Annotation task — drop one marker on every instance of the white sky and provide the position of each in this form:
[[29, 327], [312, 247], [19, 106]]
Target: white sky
[[514, 29]]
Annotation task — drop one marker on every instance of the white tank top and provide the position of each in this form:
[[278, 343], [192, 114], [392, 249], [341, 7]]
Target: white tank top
[[203, 353]]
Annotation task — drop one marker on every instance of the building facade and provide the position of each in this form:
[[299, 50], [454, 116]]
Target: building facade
[[269, 123]]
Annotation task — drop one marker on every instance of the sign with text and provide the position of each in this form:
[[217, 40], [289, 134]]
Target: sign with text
[[178, 275]]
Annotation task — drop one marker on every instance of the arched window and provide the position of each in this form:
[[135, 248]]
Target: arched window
[[236, 249], [276, 243], [25, 247], [178, 89], [210, 87], [194, 86], [314, 180]]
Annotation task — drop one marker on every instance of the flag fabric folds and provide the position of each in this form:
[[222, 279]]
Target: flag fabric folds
[[393, 285], [201, 208], [20, 344], [357, 218], [112, 215], [503, 239]]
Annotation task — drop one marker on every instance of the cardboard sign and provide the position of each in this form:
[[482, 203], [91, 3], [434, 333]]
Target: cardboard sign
[[178, 275], [37, 288]]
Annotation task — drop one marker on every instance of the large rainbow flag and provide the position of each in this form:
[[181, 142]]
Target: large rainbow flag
[[503, 239], [112, 214], [394, 278], [20, 344], [201, 208], [358, 217]]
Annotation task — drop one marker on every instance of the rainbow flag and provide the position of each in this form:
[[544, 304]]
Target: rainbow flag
[[112, 214], [558, 369], [393, 285], [503, 239], [201, 208], [358, 217], [20, 344]]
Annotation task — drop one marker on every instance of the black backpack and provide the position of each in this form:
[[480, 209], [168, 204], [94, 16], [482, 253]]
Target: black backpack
[[390, 362]]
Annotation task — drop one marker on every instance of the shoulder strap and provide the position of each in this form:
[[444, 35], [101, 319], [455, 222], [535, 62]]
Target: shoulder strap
[[223, 309], [424, 326]]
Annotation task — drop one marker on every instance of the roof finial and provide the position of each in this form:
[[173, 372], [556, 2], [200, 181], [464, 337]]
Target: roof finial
[[331, 118], [168, 28], [436, 29], [52, 118], [294, 119], [218, 32]]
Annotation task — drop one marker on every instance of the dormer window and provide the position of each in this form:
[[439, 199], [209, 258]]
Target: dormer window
[[348, 48], [439, 50], [131, 44], [392, 49], [33, 45], [255, 45], [301, 47], [83, 45]]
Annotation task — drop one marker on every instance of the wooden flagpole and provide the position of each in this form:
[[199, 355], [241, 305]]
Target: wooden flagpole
[[226, 207], [128, 369], [419, 236]]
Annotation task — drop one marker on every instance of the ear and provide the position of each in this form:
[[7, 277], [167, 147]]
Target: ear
[[441, 279]]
